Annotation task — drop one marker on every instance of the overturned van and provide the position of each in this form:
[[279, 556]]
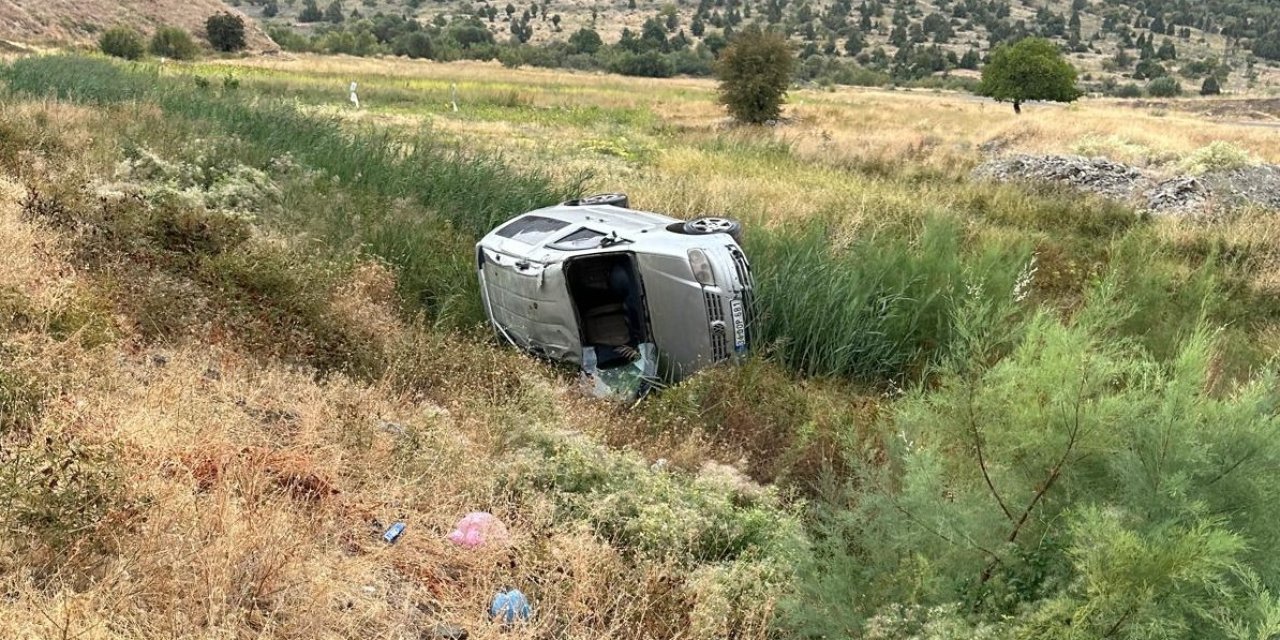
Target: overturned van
[[632, 297]]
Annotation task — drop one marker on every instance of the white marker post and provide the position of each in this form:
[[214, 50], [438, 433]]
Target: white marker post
[[355, 100], [454, 87]]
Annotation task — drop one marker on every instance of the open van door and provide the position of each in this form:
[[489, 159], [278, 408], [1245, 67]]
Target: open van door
[[528, 304]]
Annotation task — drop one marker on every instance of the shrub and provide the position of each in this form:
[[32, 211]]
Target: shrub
[[226, 32], [586, 41], [716, 516], [1129, 90], [1210, 87], [1038, 490], [649, 64], [1166, 87], [172, 42], [122, 42], [755, 71], [414, 45], [1219, 155]]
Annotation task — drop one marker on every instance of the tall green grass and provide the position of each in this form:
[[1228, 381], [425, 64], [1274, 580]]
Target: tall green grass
[[457, 196], [882, 307]]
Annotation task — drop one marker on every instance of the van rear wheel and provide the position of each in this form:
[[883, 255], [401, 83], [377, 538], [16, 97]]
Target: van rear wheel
[[710, 225], [601, 199]]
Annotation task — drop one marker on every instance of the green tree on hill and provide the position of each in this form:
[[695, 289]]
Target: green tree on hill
[[121, 42], [1210, 87], [586, 41], [1031, 69], [310, 12], [334, 12], [172, 42], [225, 32], [755, 71]]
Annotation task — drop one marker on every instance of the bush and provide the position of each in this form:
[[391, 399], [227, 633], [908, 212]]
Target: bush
[[1166, 87], [414, 45], [1210, 87], [1217, 156], [172, 42], [649, 64], [1037, 490], [225, 32], [1129, 90], [122, 42], [755, 71]]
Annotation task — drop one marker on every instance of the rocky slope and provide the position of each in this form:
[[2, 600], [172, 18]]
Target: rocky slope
[[80, 21]]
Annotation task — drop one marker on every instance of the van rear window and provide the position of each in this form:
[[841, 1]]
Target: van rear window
[[532, 229]]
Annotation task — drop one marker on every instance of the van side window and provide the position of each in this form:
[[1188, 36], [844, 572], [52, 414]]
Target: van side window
[[579, 240], [532, 229]]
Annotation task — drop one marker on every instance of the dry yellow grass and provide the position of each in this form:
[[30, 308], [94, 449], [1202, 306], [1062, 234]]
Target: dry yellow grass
[[247, 498]]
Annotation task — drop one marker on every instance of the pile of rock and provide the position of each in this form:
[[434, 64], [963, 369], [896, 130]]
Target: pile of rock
[[1094, 175], [1252, 186]]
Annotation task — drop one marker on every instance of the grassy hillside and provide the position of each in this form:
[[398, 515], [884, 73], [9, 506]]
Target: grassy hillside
[[82, 21], [980, 410], [842, 41]]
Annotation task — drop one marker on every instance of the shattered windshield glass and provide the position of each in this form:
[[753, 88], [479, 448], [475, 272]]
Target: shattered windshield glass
[[532, 229], [579, 240]]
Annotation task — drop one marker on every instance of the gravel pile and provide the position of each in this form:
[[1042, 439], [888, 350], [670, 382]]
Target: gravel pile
[[1095, 175], [1257, 186], [1179, 196]]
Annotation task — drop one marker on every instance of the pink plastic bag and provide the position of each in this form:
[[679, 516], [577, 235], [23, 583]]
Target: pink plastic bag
[[477, 529]]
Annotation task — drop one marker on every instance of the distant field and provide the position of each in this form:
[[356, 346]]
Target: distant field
[[669, 143]]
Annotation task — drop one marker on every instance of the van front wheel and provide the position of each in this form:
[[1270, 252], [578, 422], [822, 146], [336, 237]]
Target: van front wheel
[[707, 226]]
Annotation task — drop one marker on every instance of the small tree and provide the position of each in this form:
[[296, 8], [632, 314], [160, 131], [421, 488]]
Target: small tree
[[334, 12], [1031, 69], [271, 9], [755, 71], [1210, 87], [310, 12], [1166, 87], [586, 41], [172, 42], [121, 42], [414, 45], [225, 31]]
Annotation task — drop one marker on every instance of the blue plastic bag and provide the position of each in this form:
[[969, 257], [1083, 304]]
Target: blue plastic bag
[[509, 606]]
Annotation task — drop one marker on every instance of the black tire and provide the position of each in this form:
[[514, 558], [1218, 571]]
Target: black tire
[[601, 199], [710, 225]]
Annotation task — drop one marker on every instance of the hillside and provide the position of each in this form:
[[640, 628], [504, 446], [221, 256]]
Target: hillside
[[80, 21], [1237, 41]]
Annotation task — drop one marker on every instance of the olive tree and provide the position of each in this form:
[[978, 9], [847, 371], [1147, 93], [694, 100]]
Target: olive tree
[[755, 71], [1031, 69]]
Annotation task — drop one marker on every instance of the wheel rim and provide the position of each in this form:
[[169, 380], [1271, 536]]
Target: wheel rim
[[711, 225]]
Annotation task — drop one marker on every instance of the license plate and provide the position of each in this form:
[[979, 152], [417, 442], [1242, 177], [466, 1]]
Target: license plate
[[739, 325]]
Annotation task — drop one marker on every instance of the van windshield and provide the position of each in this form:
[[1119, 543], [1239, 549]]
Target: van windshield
[[532, 229]]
